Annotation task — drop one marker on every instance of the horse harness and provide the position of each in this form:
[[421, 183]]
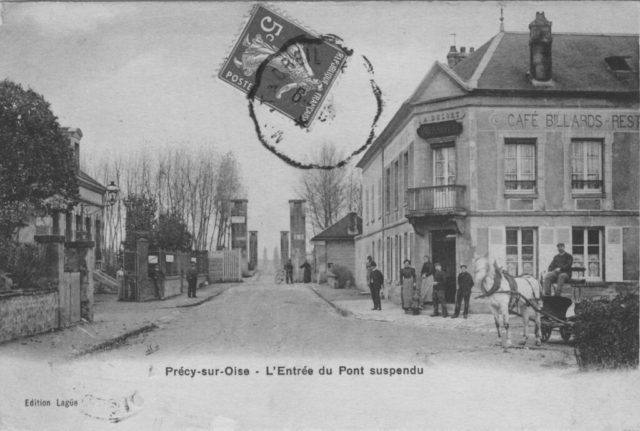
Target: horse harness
[[515, 295]]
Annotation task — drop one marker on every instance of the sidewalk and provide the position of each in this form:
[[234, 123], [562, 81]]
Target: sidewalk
[[351, 303], [113, 322]]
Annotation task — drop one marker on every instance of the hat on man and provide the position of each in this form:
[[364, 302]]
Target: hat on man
[[463, 266], [373, 263], [560, 244]]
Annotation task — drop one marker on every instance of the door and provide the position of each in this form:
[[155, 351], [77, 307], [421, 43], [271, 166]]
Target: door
[[443, 246]]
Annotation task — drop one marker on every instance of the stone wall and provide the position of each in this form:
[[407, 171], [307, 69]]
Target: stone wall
[[24, 314]]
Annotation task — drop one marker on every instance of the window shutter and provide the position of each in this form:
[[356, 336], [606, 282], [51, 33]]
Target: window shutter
[[497, 246], [547, 247], [613, 254]]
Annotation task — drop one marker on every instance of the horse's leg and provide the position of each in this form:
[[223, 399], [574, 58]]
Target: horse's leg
[[505, 323], [524, 310], [538, 328], [496, 319]]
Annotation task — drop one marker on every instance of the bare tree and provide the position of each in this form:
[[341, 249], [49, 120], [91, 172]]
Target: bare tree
[[329, 192]]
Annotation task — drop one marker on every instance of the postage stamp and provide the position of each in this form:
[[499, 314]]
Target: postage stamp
[[277, 62]]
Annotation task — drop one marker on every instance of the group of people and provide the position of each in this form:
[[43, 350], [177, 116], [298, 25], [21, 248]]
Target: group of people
[[432, 289], [288, 269], [434, 283], [157, 276]]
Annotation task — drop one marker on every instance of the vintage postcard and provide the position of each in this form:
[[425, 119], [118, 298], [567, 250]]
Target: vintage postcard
[[319, 215]]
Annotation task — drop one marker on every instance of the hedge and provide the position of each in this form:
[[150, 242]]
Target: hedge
[[343, 275], [606, 332]]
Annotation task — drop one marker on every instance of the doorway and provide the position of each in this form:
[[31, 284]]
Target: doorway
[[443, 250]]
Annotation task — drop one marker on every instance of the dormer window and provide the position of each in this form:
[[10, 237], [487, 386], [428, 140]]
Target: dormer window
[[618, 63]]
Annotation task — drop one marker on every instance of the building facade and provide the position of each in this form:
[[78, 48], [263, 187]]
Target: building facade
[[530, 140], [335, 246]]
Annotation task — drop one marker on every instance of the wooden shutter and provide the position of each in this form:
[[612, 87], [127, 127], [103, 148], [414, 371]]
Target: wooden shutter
[[613, 254]]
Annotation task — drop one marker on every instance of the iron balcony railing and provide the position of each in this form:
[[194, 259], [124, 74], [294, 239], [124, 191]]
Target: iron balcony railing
[[586, 184], [520, 184], [436, 200]]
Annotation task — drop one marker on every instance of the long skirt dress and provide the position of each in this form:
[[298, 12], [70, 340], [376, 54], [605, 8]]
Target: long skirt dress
[[427, 289], [407, 292]]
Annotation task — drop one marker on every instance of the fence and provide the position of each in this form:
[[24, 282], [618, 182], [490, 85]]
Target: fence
[[177, 263], [225, 266]]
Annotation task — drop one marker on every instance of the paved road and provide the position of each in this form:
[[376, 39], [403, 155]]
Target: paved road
[[236, 342]]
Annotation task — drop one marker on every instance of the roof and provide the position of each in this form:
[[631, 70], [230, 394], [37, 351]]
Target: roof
[[340, 230], [85, 179], [502, 63], [578, 63]]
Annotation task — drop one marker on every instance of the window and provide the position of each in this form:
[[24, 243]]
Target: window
[[396, 175], [586, 165], [618, 63], [444, 166], [78, 227], [521, 251], [373, 206], [520, 165], [387, 191], [366, 206], [587, 251], [373, 251], [389, 264], [406, 246], [87, 222], [406, 176], [68, 232], [380, 197]]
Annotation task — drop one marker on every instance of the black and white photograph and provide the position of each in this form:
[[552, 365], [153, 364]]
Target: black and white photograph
[[319, 215]]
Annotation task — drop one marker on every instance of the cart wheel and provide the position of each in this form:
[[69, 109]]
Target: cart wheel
[[565, 333], [546, 332]]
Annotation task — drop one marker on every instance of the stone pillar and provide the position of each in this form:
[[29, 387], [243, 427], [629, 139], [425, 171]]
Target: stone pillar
[[79, 259], [239, 230], [253, 249], [298, 235], [54, 269], [284, 247]]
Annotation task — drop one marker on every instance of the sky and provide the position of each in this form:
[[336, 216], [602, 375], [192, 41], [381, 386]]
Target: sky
[[138, 76]]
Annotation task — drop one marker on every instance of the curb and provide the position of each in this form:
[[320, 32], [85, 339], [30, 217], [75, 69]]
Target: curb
[[207, 299], [341, 311], [114, 342]]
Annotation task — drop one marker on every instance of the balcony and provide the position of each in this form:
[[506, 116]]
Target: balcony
[[434, 201]]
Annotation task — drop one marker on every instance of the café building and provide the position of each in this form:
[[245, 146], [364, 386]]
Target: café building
[[528, 141]]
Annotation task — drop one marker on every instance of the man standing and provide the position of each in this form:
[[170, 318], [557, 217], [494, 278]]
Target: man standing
[[158, 280], [439, 287], [375, 284], [465, 283], [559, 271], [427, 281], [369, 268], [288, 269], [192, 279]]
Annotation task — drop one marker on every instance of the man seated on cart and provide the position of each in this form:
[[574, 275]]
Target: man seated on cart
[[559, 271]]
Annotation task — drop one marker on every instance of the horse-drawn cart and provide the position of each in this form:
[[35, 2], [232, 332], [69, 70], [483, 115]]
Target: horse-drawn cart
[[554, 316]]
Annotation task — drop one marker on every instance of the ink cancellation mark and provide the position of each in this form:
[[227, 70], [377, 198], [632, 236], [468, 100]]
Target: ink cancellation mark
[[280, 64]]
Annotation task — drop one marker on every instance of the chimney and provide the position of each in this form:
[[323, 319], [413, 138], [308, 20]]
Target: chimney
[[540, 40], [74, 135], [352, 226], [454, 57]]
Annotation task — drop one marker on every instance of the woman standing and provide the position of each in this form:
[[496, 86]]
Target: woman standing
[[408, 280]]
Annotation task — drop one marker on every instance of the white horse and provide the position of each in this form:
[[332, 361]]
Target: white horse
[[500, 295]]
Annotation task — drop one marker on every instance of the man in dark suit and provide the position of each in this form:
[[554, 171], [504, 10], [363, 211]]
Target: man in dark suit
[[465, 283], [192, 279], [288, 269], [439, 288], [375, 284], [559, 271]]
